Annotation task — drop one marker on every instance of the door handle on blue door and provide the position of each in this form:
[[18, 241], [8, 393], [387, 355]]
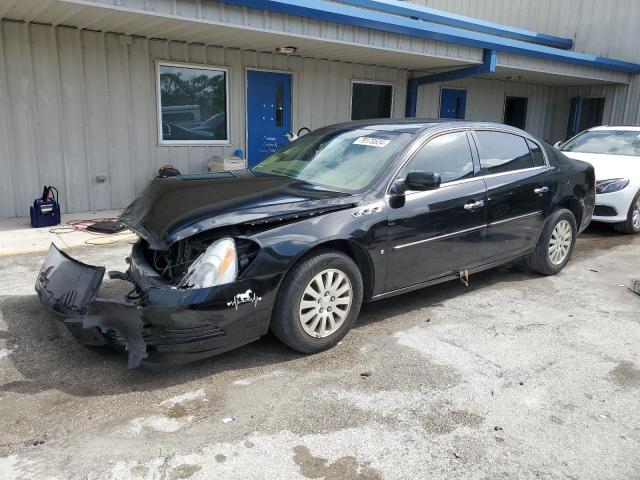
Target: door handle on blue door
[[473, 204], [541, 190]]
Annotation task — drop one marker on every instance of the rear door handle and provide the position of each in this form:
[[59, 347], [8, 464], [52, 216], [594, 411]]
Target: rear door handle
[[541, 190], [472, 205]]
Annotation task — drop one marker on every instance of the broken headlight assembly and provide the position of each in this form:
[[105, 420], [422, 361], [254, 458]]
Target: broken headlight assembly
[[612, 185], [218, 265]]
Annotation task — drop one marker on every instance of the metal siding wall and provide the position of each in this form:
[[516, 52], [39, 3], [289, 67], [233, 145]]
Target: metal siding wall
[[485, 102], [75, 105], [8, 162], [600, 27]]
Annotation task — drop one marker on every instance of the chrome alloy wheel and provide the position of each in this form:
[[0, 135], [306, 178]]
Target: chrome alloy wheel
[[325, 303], [635, 216], [560, 242]]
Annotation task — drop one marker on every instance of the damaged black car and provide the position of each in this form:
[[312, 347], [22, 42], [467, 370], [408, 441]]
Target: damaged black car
[[346, 214]]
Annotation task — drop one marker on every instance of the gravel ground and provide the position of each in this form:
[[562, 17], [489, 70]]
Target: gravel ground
[[515, 376]]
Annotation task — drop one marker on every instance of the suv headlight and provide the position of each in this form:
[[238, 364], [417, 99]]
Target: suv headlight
[[612, 185], [216, 266]]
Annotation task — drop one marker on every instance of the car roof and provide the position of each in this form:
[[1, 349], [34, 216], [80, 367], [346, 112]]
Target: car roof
[[617, 128], [417, 125]]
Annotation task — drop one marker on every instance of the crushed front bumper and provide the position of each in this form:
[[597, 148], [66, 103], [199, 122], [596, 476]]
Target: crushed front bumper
[[164, 324]]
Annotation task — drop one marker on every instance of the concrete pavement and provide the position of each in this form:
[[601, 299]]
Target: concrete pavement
[[516, 376], [17, 236]]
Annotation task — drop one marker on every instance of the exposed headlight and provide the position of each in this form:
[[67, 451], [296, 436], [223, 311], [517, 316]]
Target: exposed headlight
[[612, 185], [216, 266]]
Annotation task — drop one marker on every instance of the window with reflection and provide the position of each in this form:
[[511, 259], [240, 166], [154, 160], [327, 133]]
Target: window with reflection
[[193, 104], [448, 155], [502, 152], [536, 152]]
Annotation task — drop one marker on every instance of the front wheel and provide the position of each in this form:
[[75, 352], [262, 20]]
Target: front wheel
[[632, 224], [556, 243], [319, 301]]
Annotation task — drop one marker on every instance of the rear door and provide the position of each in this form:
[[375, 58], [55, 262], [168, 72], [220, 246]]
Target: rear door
[[438, 232], [519, 192]]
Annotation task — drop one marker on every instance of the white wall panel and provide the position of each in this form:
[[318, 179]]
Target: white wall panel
[[78, 105]]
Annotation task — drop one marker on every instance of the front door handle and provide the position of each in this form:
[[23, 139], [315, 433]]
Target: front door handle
[[473, 205], [540, 190]]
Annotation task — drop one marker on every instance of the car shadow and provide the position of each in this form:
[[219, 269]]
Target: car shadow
[[599, 238], [46, 356]]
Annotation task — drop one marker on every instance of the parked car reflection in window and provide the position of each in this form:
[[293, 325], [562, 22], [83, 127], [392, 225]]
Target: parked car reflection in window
[[193, 103]]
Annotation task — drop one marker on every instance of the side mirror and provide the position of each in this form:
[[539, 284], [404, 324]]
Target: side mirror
[[421, 181], [557, 145]]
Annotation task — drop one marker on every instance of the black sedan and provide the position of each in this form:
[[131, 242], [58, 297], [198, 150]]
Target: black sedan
[[349, 213]]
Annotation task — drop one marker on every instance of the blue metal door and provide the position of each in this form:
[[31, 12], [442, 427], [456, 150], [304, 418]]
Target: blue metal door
[[573, 125], [453, 102], [268, 113]]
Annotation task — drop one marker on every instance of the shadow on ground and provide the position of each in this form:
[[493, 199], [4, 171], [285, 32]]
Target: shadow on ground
[[49, 357]]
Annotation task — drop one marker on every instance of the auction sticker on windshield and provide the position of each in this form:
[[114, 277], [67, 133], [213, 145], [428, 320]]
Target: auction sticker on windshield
[[371, 141]]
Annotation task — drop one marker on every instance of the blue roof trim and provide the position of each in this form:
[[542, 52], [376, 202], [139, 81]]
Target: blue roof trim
[[358, 17], [488, 65], [468, 23]]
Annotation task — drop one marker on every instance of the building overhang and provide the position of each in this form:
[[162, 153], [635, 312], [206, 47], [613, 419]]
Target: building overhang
[[233, 27], [333, 31]]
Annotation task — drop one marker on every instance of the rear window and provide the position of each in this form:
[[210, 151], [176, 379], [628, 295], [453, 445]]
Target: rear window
[[502, 152]]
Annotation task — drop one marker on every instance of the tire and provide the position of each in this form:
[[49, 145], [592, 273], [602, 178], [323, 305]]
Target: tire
[[629, 226], [293, 321], [546, 261]]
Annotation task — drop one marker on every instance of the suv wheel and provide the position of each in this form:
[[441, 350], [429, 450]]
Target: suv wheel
[[632, 225], [318, 302], [555, 245]]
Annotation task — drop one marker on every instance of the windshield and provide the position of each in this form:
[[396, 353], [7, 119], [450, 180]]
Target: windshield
[[611, 142], [344, 160]]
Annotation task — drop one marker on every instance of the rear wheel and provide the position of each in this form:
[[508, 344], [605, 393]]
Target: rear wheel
[[555, 245], [632, 224], [319, 301]]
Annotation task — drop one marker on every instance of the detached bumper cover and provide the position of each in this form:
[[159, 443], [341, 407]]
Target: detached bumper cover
[[166, 325]]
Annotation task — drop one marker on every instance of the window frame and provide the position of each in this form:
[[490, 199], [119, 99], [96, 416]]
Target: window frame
[[422, 145], [517, 134], [198, 66], [419, 142], [372, 82]]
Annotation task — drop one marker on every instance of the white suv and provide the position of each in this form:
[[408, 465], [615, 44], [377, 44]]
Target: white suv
[[615, 154]]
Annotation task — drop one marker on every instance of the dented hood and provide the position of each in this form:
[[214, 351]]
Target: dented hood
[[173, 208]]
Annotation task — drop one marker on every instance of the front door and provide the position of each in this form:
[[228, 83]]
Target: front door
[[268, 113], [453, 103], [438, 232]]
